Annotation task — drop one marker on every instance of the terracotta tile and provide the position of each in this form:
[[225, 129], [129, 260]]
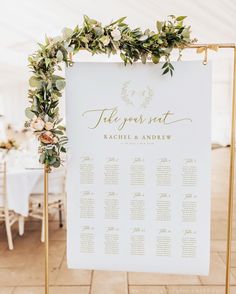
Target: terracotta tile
[[105, 282], [218, 215], [233, 271], [147, 290], [70, 290], [67, 276], [6, 290], [53, 290], [233, 290], [35, 257], [12, 259], [3, 246], [29, 290], [55, 225], [26, 276], [220, 245], [73, 277], [32, 225], [233, 258], [196, 290], [59, 234], [219, 204], [218, 230], [217, 272], [161, 279], [56, 253], [27, 243]]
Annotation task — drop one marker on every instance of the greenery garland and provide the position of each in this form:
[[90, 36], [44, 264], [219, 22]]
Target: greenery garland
[[46, 87]]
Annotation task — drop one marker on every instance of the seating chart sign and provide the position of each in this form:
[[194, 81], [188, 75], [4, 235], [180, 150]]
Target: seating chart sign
[[139, 167]]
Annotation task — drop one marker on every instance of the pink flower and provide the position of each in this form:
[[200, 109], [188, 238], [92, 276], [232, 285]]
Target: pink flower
[[49, 126], [46, 137], [37, 124], [55, 140]]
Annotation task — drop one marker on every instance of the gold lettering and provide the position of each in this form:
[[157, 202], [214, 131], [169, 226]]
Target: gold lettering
[[111, 116]]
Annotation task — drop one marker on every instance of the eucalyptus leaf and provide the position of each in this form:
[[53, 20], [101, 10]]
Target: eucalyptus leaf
[[122, 56], [155, 59], [35, 82], [63, 149], [59, 56], [57, 163], [61, 128], [56, 77], [84, 39], [67, 33], [42, 158], [57, 39], [29, 114], [119, 21], [143, 38], [143, 58], [159, 26], [52, 160], [47, 61], [179, 18], [105, 40], [60, 84]]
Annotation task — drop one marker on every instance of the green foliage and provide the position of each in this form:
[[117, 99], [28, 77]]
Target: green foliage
[[117, 37]]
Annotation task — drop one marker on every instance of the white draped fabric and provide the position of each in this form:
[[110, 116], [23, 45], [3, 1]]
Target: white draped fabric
[[25, 177], [23, 23], [20, 184]]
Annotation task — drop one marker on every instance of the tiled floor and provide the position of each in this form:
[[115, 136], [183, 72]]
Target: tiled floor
[[22, 270]]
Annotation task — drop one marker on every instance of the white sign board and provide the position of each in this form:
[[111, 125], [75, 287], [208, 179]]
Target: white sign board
[[139, 167]]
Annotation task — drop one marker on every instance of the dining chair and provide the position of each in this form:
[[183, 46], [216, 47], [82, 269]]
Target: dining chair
[[6, 215], [56, 198]]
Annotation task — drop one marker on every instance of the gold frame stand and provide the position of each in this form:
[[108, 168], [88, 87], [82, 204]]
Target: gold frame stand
[[231, 178]]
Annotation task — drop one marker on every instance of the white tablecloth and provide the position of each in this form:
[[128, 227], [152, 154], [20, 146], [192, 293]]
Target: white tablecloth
[[20, 184], [25, 177]]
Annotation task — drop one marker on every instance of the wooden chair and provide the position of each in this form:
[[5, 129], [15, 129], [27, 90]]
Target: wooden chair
[[6, 215], [56, 198]]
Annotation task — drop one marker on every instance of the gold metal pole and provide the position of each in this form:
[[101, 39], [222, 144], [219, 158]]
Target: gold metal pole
[[231, 182], [232, 163], [219, 45], [46, 240]]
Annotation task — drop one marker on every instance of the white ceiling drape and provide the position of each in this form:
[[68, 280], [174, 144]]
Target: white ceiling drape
[[23, 23]]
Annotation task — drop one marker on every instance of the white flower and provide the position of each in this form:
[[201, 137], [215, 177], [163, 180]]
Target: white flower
[[116, 35], [49, 125], [37, 124], [55, 140]]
